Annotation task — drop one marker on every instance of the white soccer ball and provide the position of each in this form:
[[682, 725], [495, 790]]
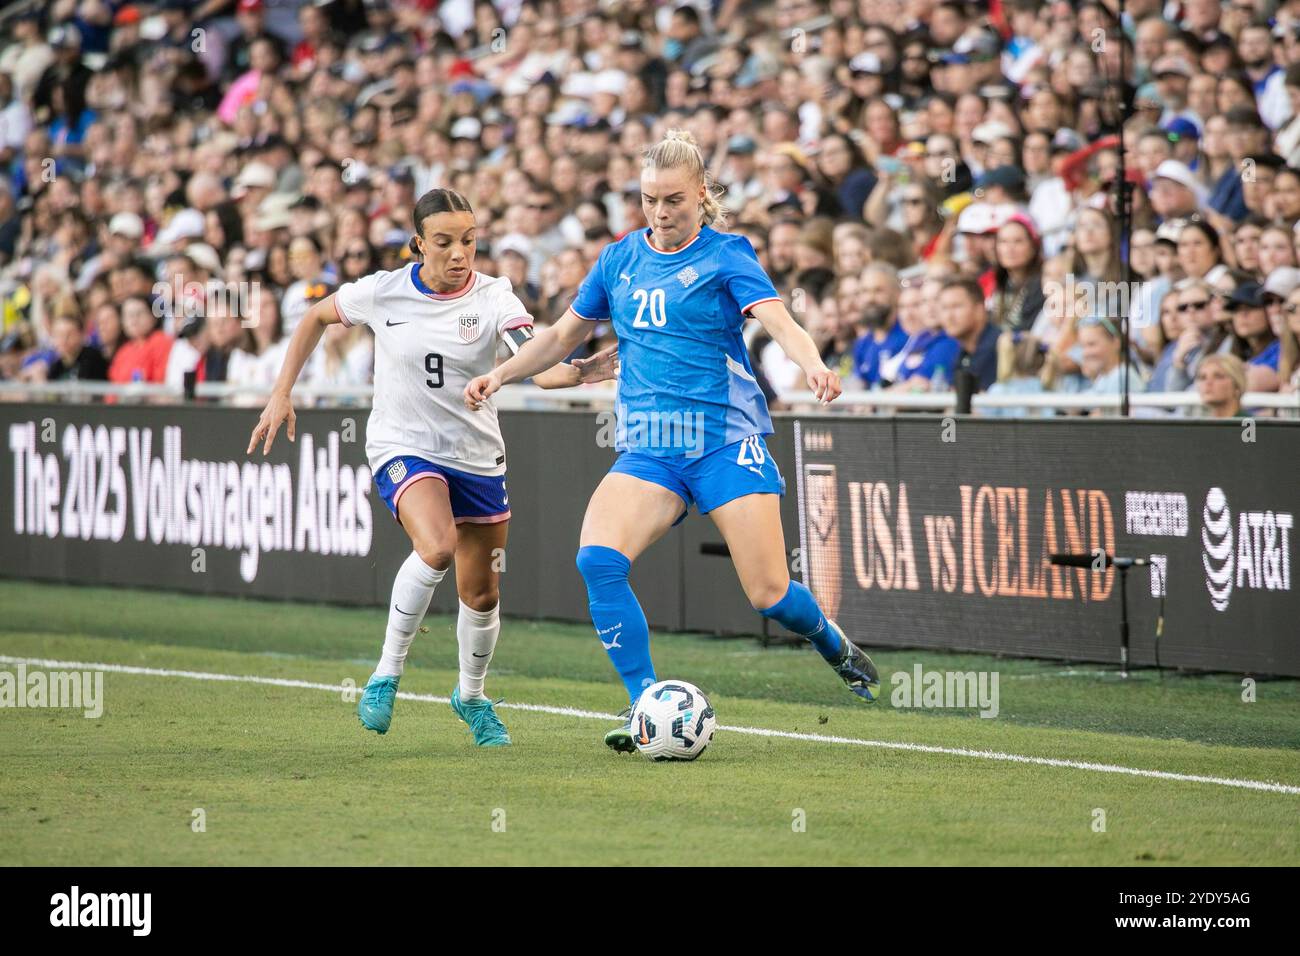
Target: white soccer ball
[[672, 720]]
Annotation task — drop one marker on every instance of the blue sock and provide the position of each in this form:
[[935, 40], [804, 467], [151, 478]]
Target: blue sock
[[798, 612], [616, 613]]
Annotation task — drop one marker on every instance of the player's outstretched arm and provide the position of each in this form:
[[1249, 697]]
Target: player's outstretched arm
[[584, 371], [547, 348], [798, 345], [279, 408]]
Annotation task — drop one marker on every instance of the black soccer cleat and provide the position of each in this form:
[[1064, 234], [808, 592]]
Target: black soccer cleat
[[855, 668]]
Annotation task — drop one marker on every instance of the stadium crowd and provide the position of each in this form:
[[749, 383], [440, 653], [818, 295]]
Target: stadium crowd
[[930, 183]]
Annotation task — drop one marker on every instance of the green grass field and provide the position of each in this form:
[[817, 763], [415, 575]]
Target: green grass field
[[286, 775]]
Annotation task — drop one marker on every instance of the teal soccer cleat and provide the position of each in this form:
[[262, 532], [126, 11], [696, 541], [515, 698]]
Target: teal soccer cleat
[[855, 668], [482, 719], [620, 739], [375, 708]]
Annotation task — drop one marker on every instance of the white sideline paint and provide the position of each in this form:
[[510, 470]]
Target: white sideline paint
[[1263, 785]]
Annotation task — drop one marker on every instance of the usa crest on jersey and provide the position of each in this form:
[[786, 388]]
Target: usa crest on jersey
[[397, 471], [469, 327]]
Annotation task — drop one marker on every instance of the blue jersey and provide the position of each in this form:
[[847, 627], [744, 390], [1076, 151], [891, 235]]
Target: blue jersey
[[868, 353], [686, 386]]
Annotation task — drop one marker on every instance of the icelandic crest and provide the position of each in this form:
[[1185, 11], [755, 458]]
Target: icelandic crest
[[469, 327], [687, 276]]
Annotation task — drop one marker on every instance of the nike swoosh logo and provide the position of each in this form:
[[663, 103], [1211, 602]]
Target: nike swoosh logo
[[479, 655], [400, 611], [390, 323]]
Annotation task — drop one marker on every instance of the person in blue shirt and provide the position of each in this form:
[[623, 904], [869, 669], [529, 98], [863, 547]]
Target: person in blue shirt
[[691, 417], [882, 335], [1253, 338], [971, 341]]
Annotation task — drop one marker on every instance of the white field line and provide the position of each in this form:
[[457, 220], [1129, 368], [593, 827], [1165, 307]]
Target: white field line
[[1267, 786]]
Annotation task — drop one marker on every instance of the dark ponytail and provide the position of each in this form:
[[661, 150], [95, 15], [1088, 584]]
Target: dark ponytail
[[432, 203]]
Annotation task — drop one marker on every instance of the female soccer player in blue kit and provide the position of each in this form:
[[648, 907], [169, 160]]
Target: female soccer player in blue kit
[[691, 416]]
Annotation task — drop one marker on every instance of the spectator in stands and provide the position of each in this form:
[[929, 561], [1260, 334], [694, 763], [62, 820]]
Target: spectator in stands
[[1096, 258], [1100, 357], [1202, 333], [972, 338], [269, 342], [1199, 252], [1020, 372], [1163, 336], [847, 177], [1245, 243], [311, 283], [544, 136], [1175, 191], [143, 356], [1221, 383], [1245, 134], [922, 219], [902, 364], [1253, 341], [1018, 281], [1289, 335], [1142, 254], [1275, 249], [347, 358], [76, 360], [107, 334], [879, 333], [356, 259]]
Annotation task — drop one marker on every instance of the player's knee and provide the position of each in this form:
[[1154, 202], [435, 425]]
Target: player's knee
[[766, 594], [599, 565], [435, 554], [481, 599]]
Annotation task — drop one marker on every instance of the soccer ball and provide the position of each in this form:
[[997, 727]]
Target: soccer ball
[[672, 720]]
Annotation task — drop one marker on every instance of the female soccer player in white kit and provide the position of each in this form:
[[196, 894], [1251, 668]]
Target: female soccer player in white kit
[[437, 325]]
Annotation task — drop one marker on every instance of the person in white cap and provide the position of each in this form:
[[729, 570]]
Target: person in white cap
[[978, 226], [184, 224], [1176, 193], [254, 182], [125, 230]]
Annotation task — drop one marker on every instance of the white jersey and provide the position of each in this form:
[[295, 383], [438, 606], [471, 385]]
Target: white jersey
[[428, 347]]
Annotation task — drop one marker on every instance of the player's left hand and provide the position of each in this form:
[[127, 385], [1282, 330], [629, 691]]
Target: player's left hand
[[599, 367], [825, 384]]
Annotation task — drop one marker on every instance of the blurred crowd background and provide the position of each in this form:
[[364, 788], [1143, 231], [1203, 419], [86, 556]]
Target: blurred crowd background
[[932, 185]]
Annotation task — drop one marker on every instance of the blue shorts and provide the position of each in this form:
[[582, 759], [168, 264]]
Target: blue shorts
[[742, 468], [478, 499]]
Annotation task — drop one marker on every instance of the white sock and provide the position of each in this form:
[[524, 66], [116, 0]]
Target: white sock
[[476, 632], [412, 592]]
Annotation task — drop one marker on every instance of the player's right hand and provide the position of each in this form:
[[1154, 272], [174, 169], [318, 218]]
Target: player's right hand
[[278, 411], [480, 389]]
